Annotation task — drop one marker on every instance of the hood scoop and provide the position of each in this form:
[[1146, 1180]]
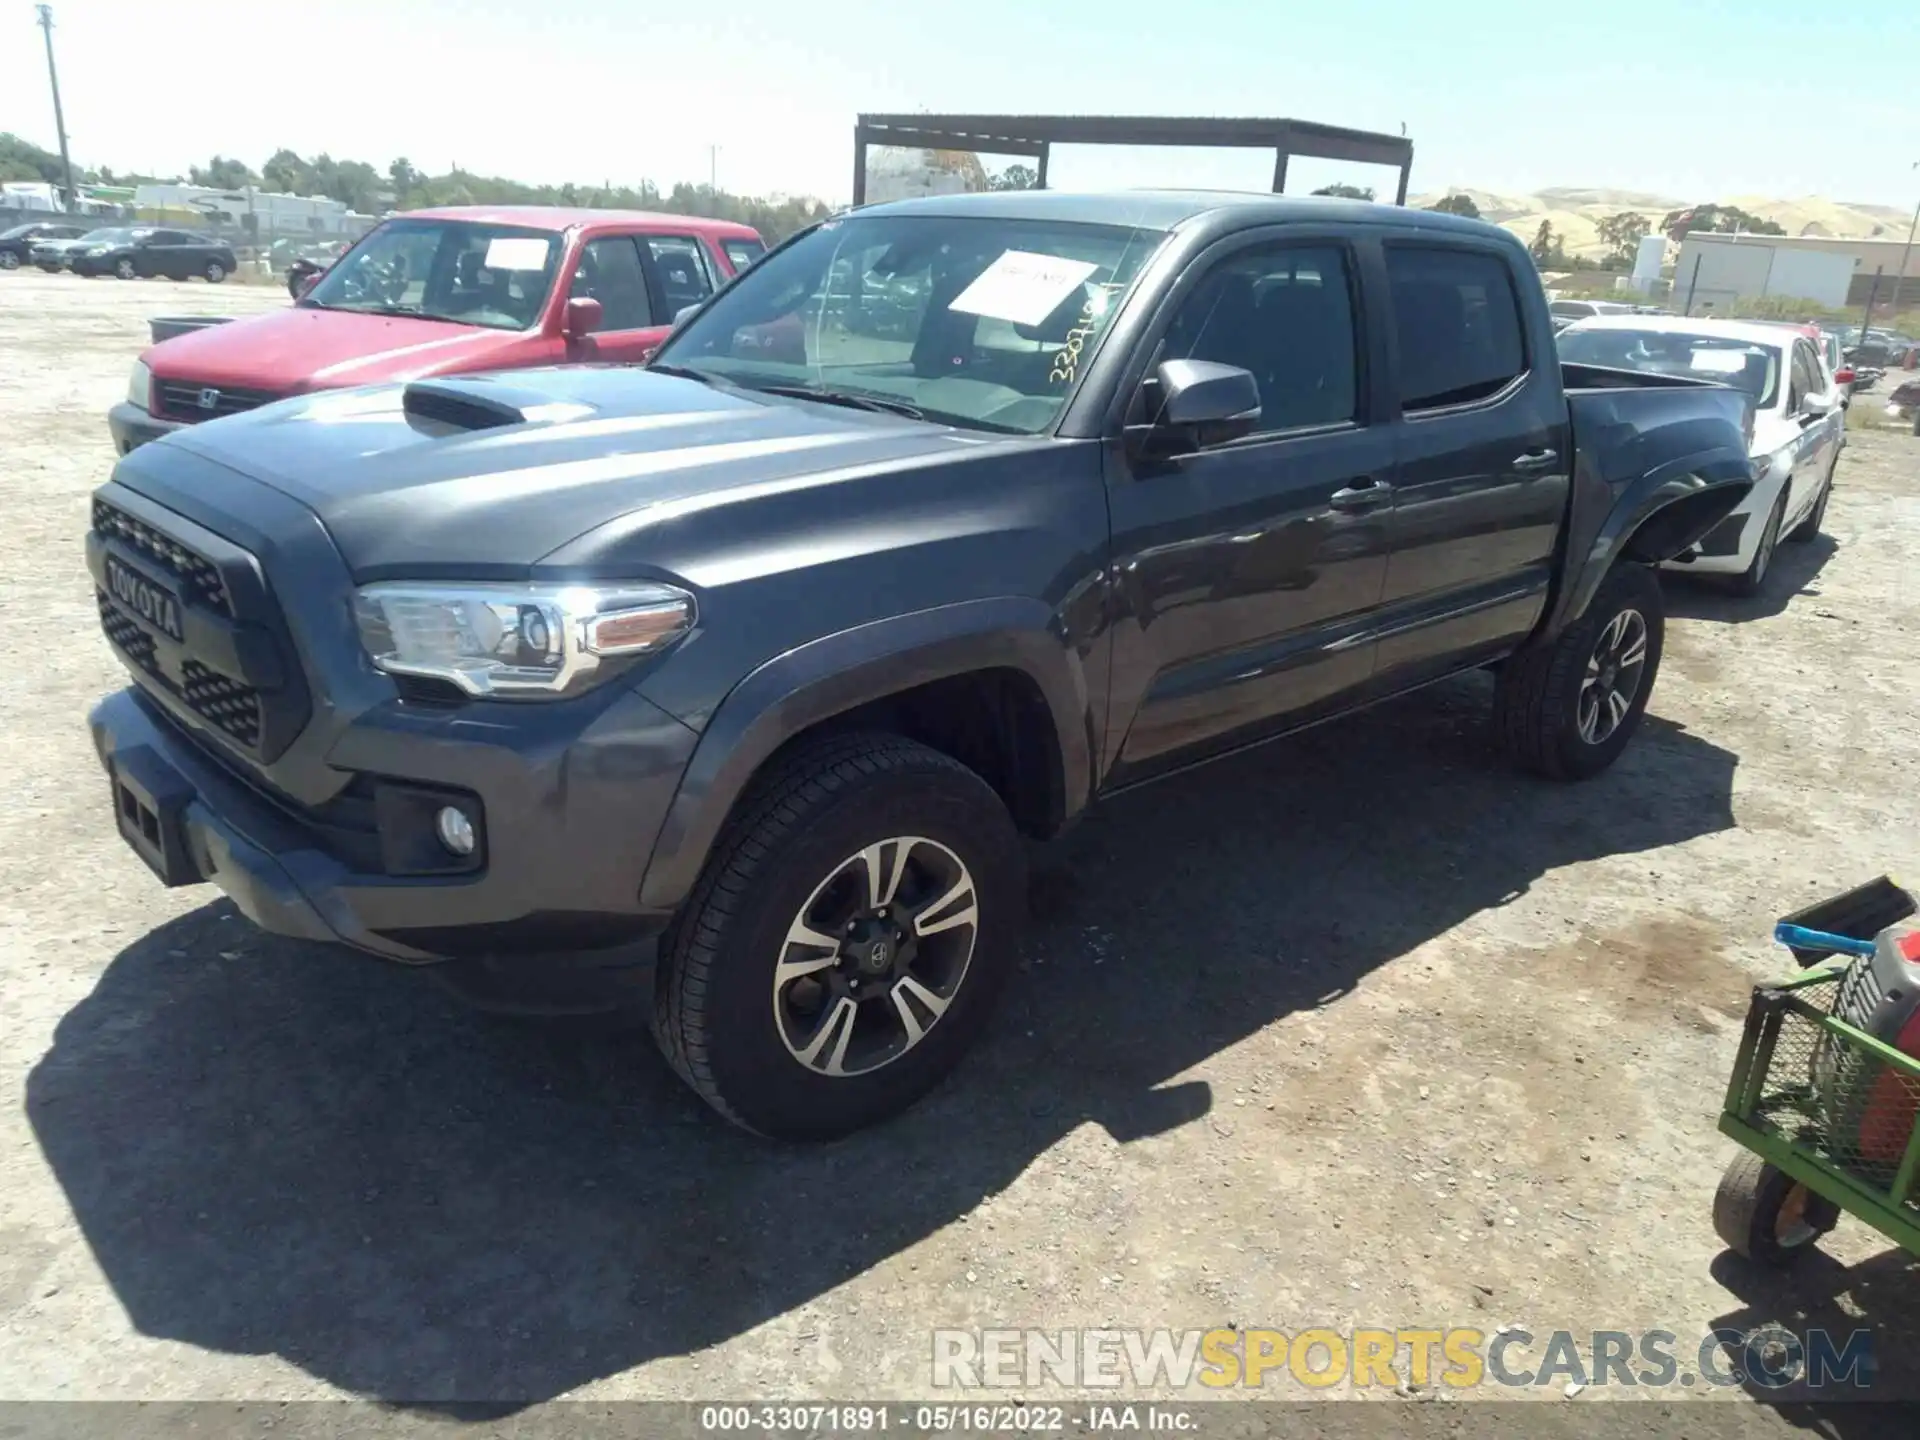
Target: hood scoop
[[482, 403]]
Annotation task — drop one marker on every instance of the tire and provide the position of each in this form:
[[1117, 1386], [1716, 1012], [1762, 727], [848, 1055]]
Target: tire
[[123, 269], [1753, 580], [9, 260], [215, 272], [1766, 1216], [759, 1049], [1550, 716], [1809, 529]]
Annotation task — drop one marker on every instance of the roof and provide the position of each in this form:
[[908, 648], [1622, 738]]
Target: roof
[[1751, 332], [1166, 209], [563, 217]]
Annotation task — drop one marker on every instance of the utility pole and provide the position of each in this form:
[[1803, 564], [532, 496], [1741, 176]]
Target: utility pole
[[1906, 254], [1873, 293], [59, 120], [713, 169]]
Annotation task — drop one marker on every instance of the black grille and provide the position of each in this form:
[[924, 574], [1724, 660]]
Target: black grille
[[226, 704], [199, 578], [234, 707], [181, 399]]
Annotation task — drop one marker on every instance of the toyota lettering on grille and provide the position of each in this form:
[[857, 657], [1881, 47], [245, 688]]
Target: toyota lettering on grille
[[139, 596]]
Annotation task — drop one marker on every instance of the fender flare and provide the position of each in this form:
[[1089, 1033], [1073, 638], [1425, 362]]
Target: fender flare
[[1606, 523], [795, 691]]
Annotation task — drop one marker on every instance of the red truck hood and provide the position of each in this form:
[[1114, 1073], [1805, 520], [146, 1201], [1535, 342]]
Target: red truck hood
[[307, 348]]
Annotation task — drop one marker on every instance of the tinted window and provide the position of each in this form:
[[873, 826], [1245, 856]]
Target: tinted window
[[1286, 315], [1806, 375], [682, 271], [742, 253], [1458, 323], [610, 273]]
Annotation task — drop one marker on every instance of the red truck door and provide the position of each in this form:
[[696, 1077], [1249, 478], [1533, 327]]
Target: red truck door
[[632, 325]]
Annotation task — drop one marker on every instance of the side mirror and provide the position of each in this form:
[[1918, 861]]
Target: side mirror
[[308, 281], [1206, 403], [683, 314], [582, 317]]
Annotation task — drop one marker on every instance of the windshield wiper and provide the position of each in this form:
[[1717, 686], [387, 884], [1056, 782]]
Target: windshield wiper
[[686, 372], [852, 399]]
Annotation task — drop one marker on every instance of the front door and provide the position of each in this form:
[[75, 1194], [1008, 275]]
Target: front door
[[610, 270], [1246, 573]]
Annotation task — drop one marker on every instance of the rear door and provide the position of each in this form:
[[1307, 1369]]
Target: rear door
[[1483, 458], [611, 271], [168, 253], [1247, 573], [679, 273]]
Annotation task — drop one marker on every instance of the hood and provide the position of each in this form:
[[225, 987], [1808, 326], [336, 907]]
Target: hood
[[409, 495], [307, 348], [59, 246]]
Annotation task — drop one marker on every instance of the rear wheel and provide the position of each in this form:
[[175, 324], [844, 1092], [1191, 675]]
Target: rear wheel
[[9, 260], [1566, 710], [215, 272], [124, 269], [846, 941]]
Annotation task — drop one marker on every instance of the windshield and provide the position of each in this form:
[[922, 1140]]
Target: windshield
[[969, 320], [471, 274], [1742, 364]]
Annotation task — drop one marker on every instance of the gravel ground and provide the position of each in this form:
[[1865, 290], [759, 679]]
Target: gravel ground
[[1362, 1029]]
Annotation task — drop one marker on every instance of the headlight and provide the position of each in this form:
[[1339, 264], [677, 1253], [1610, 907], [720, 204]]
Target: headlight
[[524, 641], [140, 386]]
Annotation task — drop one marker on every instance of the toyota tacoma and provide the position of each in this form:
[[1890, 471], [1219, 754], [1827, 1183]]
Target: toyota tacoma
[[946, 520]]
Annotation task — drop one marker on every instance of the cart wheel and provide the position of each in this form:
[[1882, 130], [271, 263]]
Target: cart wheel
[[1766, 1215]]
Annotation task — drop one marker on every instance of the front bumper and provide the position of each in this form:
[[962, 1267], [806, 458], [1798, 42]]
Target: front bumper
[[132, 426], [567, 818]]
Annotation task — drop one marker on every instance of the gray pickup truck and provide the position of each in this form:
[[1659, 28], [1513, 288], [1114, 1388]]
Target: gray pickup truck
[[945, 520]]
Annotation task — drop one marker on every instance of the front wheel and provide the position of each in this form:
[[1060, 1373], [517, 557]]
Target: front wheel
[[846, 942], [1809, 528], [1567, 709], [1766, 1215], [124, 269], [215, 272], [9, 260], [1752, 580]]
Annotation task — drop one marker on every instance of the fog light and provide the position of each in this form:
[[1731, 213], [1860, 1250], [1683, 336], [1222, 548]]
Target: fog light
[[455, 829]]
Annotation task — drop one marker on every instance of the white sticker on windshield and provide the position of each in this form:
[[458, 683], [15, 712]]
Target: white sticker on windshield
[[1022, 287], [1719, 362], [517, 252]]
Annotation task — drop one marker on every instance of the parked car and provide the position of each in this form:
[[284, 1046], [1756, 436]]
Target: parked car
[[16, 245], [56, 255], [1903, 403], [134, 254], [1797, 431], [438, 292], [1565, 312], [778, 658]]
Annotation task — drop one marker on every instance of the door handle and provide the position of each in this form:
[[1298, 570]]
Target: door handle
[[1364, 494], [1535, 460]]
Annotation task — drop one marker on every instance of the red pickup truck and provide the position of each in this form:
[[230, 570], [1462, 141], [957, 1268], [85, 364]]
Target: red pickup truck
[[440, 292]]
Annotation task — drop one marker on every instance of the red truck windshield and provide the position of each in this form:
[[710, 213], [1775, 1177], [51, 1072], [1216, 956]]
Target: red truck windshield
[[497, 276]]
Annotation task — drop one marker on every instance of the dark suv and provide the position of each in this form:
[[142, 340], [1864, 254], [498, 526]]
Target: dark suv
[[139, 253], [943, 521]]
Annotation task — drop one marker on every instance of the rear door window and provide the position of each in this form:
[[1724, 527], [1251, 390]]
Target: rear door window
[[680, 271], [742, 253], [1457, 323]]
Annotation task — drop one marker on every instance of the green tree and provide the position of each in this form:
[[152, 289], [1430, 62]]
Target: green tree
[[1622, 233], [1457, 205], [23, 160], [405, 178], [1548, 250], [1718, 219], [288, 173], [1343, 191], [222, 174], [1015, 177]]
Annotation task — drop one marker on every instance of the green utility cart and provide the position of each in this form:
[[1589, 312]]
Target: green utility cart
[[1825, 1094]]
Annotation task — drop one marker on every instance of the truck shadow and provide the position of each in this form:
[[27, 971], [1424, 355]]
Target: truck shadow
[[276, 1149], [1795, 568]]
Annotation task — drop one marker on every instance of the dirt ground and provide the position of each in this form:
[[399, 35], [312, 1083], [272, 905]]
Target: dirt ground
[[1363, 1029]]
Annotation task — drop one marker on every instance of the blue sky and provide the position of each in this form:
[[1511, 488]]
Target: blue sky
[[1700, 99]]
